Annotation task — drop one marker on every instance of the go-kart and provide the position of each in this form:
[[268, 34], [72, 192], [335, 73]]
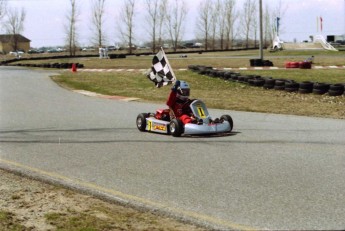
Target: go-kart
[[163, 121]]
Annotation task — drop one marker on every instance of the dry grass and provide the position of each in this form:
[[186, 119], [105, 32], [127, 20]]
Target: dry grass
[[216, 93]]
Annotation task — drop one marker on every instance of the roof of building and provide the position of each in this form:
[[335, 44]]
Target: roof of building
[[5, 38]]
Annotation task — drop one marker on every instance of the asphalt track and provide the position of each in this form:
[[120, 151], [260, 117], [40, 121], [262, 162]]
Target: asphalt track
[[275, 172]]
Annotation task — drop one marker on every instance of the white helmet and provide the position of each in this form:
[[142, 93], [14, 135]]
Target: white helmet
[[183, 91]]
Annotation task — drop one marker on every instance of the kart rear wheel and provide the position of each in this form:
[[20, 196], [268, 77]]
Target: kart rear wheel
[[176, 127], [141, 121], [229, 119]]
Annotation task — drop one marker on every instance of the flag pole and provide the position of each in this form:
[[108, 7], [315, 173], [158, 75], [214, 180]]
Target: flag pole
[[166, 58]]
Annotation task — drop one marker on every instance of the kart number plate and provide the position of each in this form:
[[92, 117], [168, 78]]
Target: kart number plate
[[201, 112]]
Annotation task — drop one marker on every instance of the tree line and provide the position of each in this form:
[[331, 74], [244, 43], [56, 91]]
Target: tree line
[[219, 24]]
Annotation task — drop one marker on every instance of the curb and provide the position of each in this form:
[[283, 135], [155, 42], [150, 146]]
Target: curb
[[114, 97]]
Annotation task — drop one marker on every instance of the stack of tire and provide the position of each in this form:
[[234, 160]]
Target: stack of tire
[[52, 65], [287, 85], [305, 87], [260, 63], [117, 56]]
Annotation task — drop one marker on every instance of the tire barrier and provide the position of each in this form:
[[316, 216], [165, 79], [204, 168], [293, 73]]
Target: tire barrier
[[320, 88], [279, 84], [305, 87], [291, 86], [51, 65], [260, 63], [269, 83], [117, 56], [336, 89]]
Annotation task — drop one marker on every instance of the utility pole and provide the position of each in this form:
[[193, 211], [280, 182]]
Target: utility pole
[[261, 29]]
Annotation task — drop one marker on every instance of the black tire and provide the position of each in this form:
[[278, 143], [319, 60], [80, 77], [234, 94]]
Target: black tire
[[251, 82], [305, 91], [268, 86], [280, 82], [234, 77], [279, 87], [221, 74], [270, 81], [229, 119], [141, 121], [176, 127], [321, 86], [259, 82], [306, 87], [227, 75], [241, 79], [287, 89], [336, 87], [335, 92], [248, 77], [291, 86], [212, 73], [319, 91]]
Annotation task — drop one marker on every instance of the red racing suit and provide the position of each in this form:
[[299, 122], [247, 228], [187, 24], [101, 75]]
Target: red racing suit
[[180, 108]]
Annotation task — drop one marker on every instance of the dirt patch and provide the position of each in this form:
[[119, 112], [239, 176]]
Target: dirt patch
[[26, 204]]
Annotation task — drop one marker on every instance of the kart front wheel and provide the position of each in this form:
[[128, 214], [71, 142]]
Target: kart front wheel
[[176, 127], [229, 119], [141, 121]]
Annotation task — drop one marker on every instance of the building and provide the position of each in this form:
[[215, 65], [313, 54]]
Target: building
[[12, 42]]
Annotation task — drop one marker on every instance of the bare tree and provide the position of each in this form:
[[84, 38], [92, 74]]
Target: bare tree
[[161, 20], [214, 25], [156, 16], [98, 21], [255, 27], [268, 30], [15, 25], [71, 28], [230, 16], [175, 18], [221, 21], [204, 20], [126, 25], [249, 8], [2, 8]]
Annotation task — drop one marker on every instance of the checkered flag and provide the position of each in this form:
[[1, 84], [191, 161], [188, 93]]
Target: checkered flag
[[161, 73]]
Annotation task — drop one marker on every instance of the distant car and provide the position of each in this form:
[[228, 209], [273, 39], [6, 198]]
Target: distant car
[[341, 42], [53, 51], [16, 52], [112, 48], [88, 49], [34, 51]]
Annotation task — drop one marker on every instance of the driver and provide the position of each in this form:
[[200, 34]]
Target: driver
[[179, 102]]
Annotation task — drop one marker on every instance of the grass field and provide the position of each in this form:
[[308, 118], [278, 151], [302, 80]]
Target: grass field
[[215, 92]]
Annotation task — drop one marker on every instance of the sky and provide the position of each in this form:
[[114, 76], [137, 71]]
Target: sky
[[45, 20]]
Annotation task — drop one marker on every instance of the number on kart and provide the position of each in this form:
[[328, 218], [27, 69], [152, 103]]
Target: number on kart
[[201, 112]]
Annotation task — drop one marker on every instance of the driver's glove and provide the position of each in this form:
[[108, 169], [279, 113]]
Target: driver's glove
[[176, 86]]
